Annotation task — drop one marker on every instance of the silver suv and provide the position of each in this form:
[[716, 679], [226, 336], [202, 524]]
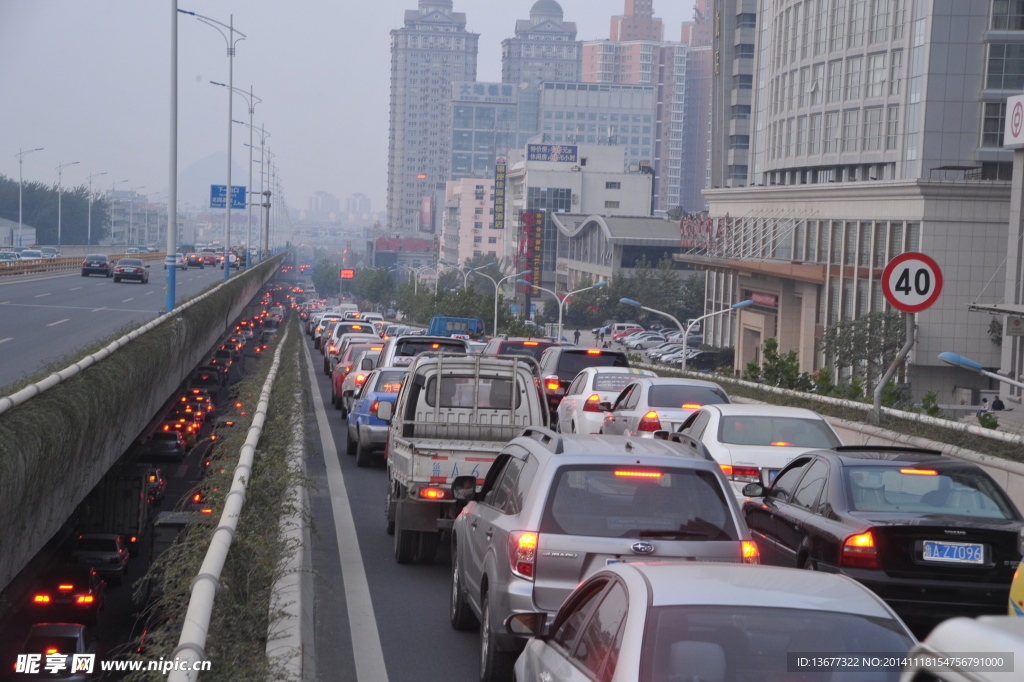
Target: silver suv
[[555, 509]]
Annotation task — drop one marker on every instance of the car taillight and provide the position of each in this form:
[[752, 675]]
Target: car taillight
[[41, 599], [552, 383], [434, 493], [522, 552], [750, 553], [859, 551], [741, 474], [592, 404], [85, 264], [85, 599], [373, 408], [65, 588], [649, 422], [360, 378], [593, 352]]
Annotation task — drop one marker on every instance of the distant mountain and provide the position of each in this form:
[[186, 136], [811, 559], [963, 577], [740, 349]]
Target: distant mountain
[[195, 180]]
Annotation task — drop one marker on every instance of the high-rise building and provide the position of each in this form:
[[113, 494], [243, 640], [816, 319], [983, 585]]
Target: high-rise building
[[469, 225], [638, 23], [732, 87], [544, 48], [358, 204], [696, 126], [428, 54], [324, 202], [488, 119]]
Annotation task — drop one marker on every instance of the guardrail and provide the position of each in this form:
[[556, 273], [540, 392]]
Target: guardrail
[[34, 267]]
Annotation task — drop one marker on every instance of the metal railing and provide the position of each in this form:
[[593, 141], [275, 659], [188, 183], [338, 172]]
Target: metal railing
[[34, 267]]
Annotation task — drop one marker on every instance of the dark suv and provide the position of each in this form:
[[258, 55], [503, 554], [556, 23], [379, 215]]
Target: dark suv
[[560, 365], [533, 348]]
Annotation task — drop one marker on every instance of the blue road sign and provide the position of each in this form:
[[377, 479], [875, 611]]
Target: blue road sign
[[218, 192]]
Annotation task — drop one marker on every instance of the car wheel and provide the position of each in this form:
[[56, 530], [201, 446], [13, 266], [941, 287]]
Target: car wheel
[[495, 666], [406, 544], [341, 406], [389, 522], [84, 273], [426, 550], [364, 456], [460, 615], [350, 445], [809, 564], [327, 367], [117, 280], [573, 427]]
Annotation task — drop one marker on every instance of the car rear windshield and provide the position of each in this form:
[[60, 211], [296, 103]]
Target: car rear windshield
[[134, 262], [492, 394], [572, 362], [638, 502], [753, 642], [921, 490], [96, 257], [680, 395], [355, 349], [49, 645], [348, 328], [408, 348], [170, 436], [778, 431], [96, 545], [389, 382], [533, 349], [612, 382]]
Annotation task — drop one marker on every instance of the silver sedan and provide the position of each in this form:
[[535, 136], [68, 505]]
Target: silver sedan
[[658, 404], [708, 622]]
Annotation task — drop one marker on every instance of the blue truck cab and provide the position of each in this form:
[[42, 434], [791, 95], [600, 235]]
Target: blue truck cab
[[465, 327], [367, 436]]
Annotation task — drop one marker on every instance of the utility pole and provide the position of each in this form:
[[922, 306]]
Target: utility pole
[[21, 182]]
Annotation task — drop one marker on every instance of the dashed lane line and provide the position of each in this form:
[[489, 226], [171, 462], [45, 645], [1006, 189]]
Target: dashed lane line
[[54, 324], [9, 338], [41, 295], [96, 310], [128, 299], [149, 293], [366, 646], [74, 288], [74, 307]]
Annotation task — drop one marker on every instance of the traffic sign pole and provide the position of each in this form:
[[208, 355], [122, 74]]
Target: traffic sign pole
[[911, 282], [1012, 355]]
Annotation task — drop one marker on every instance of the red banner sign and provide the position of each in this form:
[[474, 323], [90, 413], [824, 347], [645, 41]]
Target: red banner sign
[[769, 300]]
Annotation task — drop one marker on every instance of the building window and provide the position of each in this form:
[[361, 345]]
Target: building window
[[853, 69], [613, 185], [892, 128], [895, 64], [851, 130], [857, 19], [743, 81], [801, 136], [611, 204], [738, 173], [993, 125], [895, 239], [477, 240], [805, 86], [873, 132], [492, 240], [789, 137], [740, 111], [746, 20], [745, 51], [791, 92], [899, 15], [837, 25], [814, 134], [818, 84], [478, 226], [830, 138], [835, 81], [879, 20], [821, 27], [876, 75], [1007, 15], [1005, 67], [739, 141]]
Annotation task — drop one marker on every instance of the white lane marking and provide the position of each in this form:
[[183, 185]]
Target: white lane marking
[[150, 292], [54, 324], [97, 310], [74, 288], [41, 295], [5, 303], [9, 338], [128, 299], [102, 283], [366, 646]]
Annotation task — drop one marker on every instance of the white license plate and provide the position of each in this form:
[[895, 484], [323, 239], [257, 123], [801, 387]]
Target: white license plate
[[954, 552], [772, 473]]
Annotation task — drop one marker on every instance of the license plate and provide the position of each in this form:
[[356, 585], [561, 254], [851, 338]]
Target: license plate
[[954, 552], [772, 473], [93, 561]]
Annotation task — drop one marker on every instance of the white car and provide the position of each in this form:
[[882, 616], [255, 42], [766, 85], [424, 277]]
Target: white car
[[707, 622], [31, 254], [8, 257], [179, 262], [752, 443], [648, 405], [991, 636], [579, 410], [645, 340]]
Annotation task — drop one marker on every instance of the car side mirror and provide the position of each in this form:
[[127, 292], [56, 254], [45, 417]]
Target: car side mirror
[[604, 406], [147, 267], [463, 488], [753, 490], [385, 411], [661, 435], [366, 364], [527, 624], [348, 394]]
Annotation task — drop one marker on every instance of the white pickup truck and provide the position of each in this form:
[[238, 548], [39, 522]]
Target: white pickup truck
[[442, 429]]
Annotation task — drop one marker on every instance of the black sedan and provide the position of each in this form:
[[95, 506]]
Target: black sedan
[[131, 268], [195, 260], [72, 594], [933, 536], [97, 264]]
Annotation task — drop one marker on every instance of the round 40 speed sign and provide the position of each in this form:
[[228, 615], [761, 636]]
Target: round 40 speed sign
[[912, 282]]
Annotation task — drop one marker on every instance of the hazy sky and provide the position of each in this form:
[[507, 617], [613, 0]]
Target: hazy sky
[[89, 82]]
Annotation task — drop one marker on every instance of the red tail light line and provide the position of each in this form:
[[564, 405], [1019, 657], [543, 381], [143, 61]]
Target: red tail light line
[[41, 599], [919, 472], [649, 422], [593, 352], [592, 404], [741, 474], [85, 599], [522, 552], [859, 551], [552, 383]]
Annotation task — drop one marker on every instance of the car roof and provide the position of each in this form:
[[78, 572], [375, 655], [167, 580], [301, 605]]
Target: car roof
[[985, 634], [677, 381], [56, 630], [723, 584], [864, 455], [100, 536], [619, 370], [601, 446], [740, 409]]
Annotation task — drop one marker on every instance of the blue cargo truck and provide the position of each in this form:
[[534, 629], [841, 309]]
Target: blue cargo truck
[[468, 327]]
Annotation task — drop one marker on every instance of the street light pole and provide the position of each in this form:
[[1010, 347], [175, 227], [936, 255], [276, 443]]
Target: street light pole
[[113, 188], [497, 285], [21, 155], [170, 295], [91, 176], [131, 212], [686, 334], [561, 301], [60, 174], [251, 100]]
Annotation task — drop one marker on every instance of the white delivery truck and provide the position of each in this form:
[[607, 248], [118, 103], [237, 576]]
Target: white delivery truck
[[453, 416]]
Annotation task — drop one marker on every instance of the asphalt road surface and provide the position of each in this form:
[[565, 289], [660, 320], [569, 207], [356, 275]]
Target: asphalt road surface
[[43, 318]]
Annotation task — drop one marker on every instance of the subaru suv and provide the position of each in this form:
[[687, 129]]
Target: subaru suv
[[560, 365], [555, 509]]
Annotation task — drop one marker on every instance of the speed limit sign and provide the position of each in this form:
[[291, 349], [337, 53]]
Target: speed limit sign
[[912, 282]]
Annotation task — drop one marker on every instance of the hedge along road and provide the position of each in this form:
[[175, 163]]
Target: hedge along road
[[42, 320]]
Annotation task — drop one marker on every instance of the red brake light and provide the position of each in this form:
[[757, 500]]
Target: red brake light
[[919, 472], [530, 343], [649, 422], [198, 497], [782, 444], [433, 493], [435, 345], [360, 378], [639, 474], [52, 650], [859, 551], [691, 406], [41, 599], [593, 351], [522, 552], [65, 588], [85, 599], [750, 553], [206, 511], [552, 383], [592, 404], [133, 539], [741, 474], [373, 408]]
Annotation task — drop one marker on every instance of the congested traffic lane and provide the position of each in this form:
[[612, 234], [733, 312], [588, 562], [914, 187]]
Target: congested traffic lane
[[43, 319], [409, 602]]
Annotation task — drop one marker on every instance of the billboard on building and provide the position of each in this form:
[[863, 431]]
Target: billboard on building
[[498, 93], [561, 153], [531, 238], [427, 214], [499, 193]]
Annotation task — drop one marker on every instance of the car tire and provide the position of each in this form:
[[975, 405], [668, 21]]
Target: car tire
[[406, 544], [809, 564], [85, 274], [460, 614], [117, 280], [327, 367], [389, 523], [364, 456], [495, 666], [350, 445], [341, 406], [426, 548]]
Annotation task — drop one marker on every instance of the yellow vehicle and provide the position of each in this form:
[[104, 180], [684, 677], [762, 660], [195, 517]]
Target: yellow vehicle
[[1016, 607]]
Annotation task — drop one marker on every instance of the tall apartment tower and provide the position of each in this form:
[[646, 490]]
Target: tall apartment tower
[[638, 22], [544, 48], [427, 55], [696, 126], [735, 25]]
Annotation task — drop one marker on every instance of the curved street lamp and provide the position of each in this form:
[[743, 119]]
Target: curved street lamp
[[497, 285], [561, 301], [962, 362]]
